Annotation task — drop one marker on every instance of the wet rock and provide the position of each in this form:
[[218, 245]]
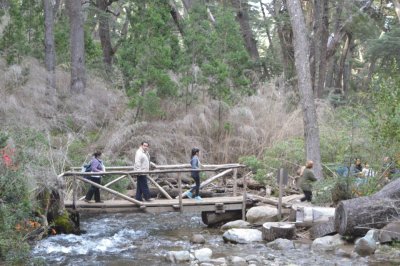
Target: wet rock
[[262, 214], [390, 232], [219, 261], [254, 258], [238, 235], [237, 261], [327, 243], [235, 224], [203, 254], [281, 244], [366, 245], [342, 253], [197, 239], [178, 256]]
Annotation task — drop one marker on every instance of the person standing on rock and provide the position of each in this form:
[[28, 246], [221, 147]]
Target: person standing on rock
[[195, 164], [306, 181], [142, 163]]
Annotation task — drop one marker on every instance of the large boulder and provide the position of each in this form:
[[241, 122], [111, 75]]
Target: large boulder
[[238, 235], [262, 214]]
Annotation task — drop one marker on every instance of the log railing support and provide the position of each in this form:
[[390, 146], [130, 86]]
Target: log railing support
[[111, 191], [159, 187], [180, 193], [74, 193], [234, 182], [244, 198], [109, 183]]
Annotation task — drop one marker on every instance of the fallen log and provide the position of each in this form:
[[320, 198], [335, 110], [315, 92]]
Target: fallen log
[[308, 216], [356, 216]]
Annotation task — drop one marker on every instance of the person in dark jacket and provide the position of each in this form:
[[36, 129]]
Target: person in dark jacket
[[96, 165], [306, 181], [195, 164]]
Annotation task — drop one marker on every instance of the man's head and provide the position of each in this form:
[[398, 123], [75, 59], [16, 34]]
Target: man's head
[[309, 164], [145, 145]]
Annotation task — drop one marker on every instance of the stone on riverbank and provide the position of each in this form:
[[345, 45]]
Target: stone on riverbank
[[242, 236], [178, 256], [235, 224], [197, 239], [262, 214], [327, 243], [203, 254]]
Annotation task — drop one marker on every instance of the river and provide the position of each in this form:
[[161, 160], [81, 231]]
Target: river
[[145, 239]]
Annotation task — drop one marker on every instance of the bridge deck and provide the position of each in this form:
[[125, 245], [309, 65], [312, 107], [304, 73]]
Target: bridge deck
[[217, 204]]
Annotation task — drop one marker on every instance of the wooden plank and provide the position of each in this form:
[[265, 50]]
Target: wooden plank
[[234, 182], [180, 193], [244, 199], [159, 187]]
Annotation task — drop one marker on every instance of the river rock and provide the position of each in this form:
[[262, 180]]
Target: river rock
[[255, 259], [178, 256], [218, 261], [235, 224], [390, 232], [366, 245], [203, 254], [281, 244], [242, 236], [327, 243], [262, 214], [197, 239], [237, 261]]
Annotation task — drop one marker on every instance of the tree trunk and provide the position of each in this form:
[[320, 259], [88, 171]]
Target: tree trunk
[[77, 43], [308, 216], [323, 229], [242, 16], [50, 54], [104, 34], [302, 55], [187, 4], [397, 8], [176, 16], [320, 40], [339, 75], [356, 216]]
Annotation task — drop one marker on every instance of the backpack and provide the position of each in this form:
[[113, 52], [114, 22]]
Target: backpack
[[87, 168]]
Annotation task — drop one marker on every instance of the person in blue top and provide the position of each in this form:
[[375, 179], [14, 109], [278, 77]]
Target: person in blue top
[[195, 163], [96, 165]]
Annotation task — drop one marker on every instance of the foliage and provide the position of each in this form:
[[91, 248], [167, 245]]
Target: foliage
[[15, 207]]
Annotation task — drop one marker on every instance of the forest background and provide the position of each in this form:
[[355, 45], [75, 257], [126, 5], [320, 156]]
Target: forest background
[[80, 76]]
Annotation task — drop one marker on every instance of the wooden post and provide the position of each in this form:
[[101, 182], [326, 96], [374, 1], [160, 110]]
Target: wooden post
[[180, 192], [244, 199], [159, 187], [74, 193], [234, 182], [280, 193]]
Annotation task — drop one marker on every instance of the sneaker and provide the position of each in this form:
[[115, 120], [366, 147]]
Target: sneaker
[[100, 201], [86, 200], [150, 199], [189, 195], [198, 198]]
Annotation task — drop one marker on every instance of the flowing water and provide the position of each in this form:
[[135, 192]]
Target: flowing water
[[145, 239]]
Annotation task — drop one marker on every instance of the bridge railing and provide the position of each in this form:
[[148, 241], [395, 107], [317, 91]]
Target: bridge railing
[[127, 172]]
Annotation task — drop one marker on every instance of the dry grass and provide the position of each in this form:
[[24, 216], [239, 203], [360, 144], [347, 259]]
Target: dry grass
[[250, 127]]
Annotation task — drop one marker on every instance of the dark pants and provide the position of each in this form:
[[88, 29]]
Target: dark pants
[[142, 188], [197, 186], [94, 190], [307, 196]]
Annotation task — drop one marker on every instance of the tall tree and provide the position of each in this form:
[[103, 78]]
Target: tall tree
[[50, 55], [77, 44], [397, 8], [302, 64]]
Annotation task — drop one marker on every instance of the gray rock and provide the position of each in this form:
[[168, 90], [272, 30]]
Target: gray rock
[[238, 235], [235, 224], [327, 243], [203, 254], [262, 214], [237, 261], [366, 245], [281, 244], [390, 232], [178, 256], [197, 239]]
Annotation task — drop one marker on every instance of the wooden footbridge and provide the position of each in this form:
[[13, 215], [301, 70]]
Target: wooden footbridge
[[232, 205]]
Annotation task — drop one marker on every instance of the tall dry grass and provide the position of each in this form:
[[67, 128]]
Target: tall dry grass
[[223, 133]]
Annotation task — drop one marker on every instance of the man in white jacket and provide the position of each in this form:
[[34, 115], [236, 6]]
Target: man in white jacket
[[142, 163]]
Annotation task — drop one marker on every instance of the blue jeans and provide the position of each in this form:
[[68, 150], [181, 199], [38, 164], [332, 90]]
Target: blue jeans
[[142, 188], [197, 186]]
